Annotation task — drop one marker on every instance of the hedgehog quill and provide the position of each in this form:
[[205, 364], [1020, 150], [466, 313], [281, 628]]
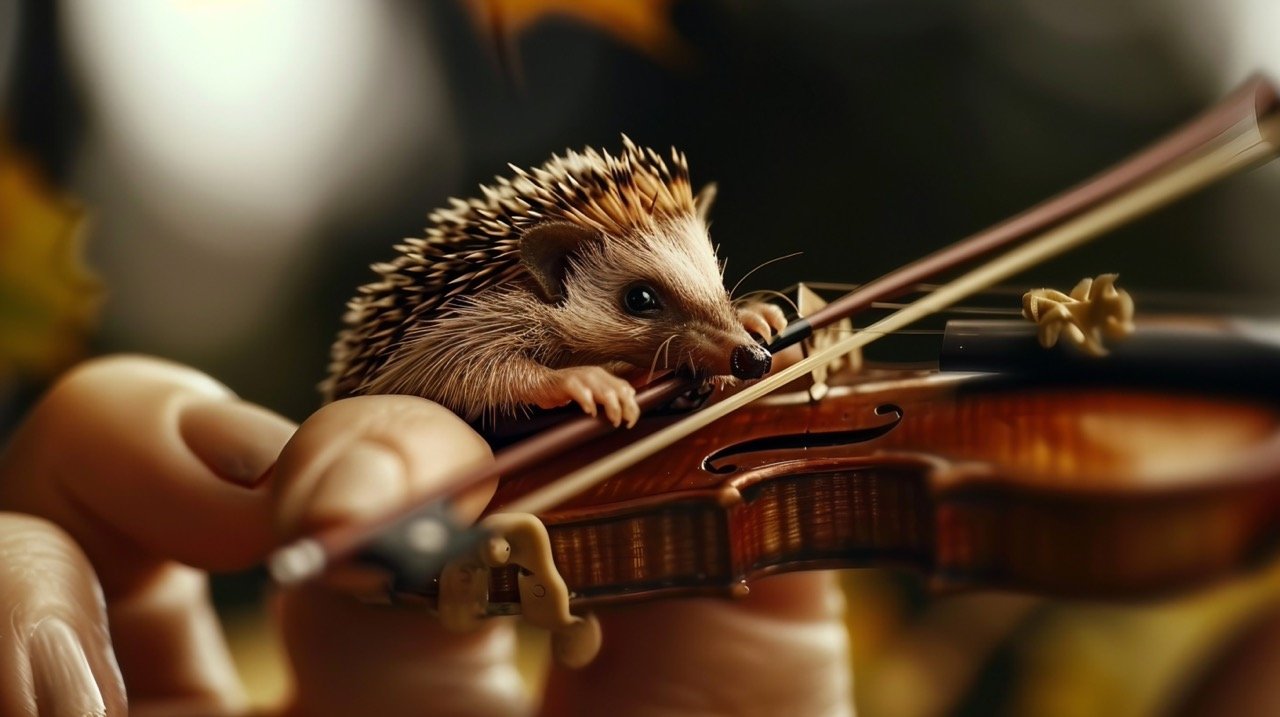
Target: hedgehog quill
[[556, 286]]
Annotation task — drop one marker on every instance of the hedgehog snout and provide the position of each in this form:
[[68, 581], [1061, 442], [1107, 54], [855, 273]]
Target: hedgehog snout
[[750, 361]]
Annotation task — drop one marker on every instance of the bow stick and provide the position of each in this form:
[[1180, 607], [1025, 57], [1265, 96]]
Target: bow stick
[[416, 541]]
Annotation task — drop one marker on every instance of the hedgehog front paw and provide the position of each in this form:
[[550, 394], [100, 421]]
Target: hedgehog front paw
[[589, 387], [762, 319]]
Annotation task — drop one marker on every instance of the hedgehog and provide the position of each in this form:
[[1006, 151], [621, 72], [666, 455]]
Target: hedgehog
[[560, 284]]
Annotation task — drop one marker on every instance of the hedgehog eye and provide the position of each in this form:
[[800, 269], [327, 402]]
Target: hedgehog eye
[[641, 300]]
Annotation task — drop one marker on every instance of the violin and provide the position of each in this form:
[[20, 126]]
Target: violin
[[1006, 466], [1153, 468]]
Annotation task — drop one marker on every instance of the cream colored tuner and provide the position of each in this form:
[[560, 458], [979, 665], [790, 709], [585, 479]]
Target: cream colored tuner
[[807, 302], [1096, 309], [519, 539]]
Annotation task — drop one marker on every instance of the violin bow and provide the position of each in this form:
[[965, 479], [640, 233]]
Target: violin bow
[[415, 542]]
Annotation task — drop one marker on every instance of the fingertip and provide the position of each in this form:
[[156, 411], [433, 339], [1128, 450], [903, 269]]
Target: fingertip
[[364, 481], [125, 370], [57, 653], [361, 456], [613, 409], [63, 678]]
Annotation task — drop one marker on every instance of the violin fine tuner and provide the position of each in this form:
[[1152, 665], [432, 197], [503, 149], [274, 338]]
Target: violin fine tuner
[[1096, 309]]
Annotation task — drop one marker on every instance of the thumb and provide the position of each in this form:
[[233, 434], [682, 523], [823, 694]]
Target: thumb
[[356, 458]]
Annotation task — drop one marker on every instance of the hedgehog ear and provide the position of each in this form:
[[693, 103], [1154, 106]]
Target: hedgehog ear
[[706, 197], [545, 250]]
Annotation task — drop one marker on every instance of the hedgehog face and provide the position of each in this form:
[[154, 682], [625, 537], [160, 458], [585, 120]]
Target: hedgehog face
[[588, 258], [655, 299]]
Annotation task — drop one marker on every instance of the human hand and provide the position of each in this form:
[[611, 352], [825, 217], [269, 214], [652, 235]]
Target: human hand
[[133, 477]]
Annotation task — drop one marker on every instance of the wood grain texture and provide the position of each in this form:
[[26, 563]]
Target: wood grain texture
[[1067, 488]]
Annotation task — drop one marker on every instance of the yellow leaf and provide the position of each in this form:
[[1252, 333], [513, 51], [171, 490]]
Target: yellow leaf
[[643, 24], [48, 298]]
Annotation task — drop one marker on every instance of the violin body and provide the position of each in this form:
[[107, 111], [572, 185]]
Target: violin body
[[1117, 477]]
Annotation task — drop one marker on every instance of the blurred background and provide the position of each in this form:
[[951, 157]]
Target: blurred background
[[208, 181]]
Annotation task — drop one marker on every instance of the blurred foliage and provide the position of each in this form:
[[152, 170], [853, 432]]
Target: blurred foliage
[[643, 24], [48, 298], [918, 654]]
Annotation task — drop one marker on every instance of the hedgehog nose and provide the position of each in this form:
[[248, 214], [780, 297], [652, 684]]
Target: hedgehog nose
[[750, 361]]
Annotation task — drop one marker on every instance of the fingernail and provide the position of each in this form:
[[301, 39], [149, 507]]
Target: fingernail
[[364, 481], [238, 441], [64, 682]]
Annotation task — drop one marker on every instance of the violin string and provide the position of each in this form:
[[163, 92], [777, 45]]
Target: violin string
[[958, 310], [903, 332], [900, 332], [1147, 298], [1150, 298], [1224, 157]]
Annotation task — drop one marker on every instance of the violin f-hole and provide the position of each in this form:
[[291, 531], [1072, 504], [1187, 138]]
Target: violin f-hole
[[802, 441]]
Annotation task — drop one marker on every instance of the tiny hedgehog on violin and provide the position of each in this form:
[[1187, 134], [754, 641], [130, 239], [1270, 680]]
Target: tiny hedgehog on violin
[[551, 288]]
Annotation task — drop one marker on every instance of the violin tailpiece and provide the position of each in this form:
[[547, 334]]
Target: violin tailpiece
[[519, 540]]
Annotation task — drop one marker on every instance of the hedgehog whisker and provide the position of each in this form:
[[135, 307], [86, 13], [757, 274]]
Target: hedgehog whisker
[[760, 266], [745, 298], [653, 366], [691, 364]]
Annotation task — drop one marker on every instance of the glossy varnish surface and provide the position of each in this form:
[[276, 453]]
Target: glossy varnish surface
[[1072, 489]]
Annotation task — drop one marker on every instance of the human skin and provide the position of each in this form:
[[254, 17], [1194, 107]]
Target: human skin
[[133, 478]]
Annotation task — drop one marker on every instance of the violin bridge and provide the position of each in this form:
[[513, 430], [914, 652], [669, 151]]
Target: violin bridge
[[1096, 310], [519, 539], [807, 302]]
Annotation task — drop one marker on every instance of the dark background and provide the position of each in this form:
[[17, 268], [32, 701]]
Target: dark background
[[863, 134]]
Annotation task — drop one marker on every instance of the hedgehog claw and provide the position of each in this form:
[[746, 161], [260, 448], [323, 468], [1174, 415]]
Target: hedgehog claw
[[762, 319], [591, 387]]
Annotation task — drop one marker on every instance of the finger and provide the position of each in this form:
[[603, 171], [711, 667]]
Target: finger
[[776, 317], [755, 324], [612, 406], [583, 397], [631, 410], [141, 462], [362, 456], [783, 650], [349, 658], [137, 457], [55, 653], [767, 317]]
